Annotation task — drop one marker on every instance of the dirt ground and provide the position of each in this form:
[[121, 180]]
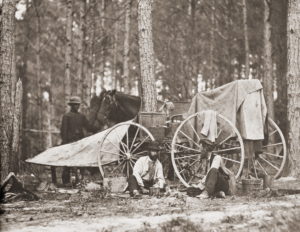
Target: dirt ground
[[91, 211]]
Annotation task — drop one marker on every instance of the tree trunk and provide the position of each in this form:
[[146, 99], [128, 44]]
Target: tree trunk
[[116, 36], [281, 64], [68, 56], [81, 51], [47, 113], [229, 42], [104, 44], [17, 123], [268, 66], [38, 74], [293, 80], [146, 56], [85, 77], [24, 77], [127, 47], [7, 47], [211, 47], [92, 48], [247, 64], [192, 64]]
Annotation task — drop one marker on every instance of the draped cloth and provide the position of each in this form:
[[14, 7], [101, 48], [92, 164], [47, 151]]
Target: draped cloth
[[241, 101]]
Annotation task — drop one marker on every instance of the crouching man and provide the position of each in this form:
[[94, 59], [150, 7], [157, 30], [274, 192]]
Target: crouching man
[[219, 180], [147, 172]]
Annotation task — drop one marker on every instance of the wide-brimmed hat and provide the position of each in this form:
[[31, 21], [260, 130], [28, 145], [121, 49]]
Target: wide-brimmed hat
[[153, 146], [74, 100]]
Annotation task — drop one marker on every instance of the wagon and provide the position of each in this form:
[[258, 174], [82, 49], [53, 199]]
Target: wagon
[[232, 118]]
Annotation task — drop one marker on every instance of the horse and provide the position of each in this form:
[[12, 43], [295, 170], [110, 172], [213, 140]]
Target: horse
[[113, 107]]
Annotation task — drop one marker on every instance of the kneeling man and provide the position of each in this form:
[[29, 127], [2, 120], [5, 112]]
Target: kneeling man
[[147, 172]]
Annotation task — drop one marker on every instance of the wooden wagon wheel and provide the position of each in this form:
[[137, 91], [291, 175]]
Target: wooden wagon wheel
[[272, 159], [186, 148], [130, 148]]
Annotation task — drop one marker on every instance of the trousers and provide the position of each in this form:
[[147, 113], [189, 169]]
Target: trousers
[[216, 181], [133, 184]]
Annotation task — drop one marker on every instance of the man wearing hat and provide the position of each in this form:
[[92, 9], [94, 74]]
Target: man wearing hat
[[147, 172], [72, 129]]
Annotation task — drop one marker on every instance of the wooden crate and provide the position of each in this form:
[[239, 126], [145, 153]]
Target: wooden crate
[[152, 119]]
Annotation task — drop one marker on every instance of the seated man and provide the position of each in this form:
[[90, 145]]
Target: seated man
[[216, 182], [147, 172]]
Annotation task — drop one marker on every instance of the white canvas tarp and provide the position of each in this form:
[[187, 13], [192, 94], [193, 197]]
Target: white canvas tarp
[[84, 153]]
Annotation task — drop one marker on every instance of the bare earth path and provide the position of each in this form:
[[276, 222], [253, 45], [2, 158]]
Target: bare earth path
[[86, 212]]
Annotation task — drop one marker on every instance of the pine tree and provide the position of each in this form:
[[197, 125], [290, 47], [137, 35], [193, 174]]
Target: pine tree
[[146, 56], [293, 80]]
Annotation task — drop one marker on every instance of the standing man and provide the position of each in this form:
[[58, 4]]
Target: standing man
[[147, 172], [72, 129]]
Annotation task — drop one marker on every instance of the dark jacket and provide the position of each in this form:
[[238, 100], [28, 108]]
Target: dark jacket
[[72, 127]]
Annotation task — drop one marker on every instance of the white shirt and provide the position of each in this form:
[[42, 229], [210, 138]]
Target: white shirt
[[141, 171]]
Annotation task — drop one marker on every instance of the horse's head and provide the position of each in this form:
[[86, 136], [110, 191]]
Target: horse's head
[[109, 104], [96, 117]]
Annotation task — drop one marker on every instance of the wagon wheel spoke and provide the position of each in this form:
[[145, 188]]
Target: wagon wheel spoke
[[191, 179], [184, 157], [121, 142], [116, 168], [273, 132], [228, 149], [262, 167], [194, 131], [190, 139], [109, 152], [231, 160], [125, 147], [134, 138], [123, 169], [225, 140], [137, 154], [188, 164], [219, 133], [144, 140], [273, 155], [115, 146], [273, 160], [188, 170], [188, 148], [127, 166], [269, 163], [272, 145], [131, 165], [127, 141]]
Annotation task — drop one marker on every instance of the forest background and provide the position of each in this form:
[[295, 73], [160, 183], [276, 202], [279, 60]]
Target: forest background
[[80, 47]]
